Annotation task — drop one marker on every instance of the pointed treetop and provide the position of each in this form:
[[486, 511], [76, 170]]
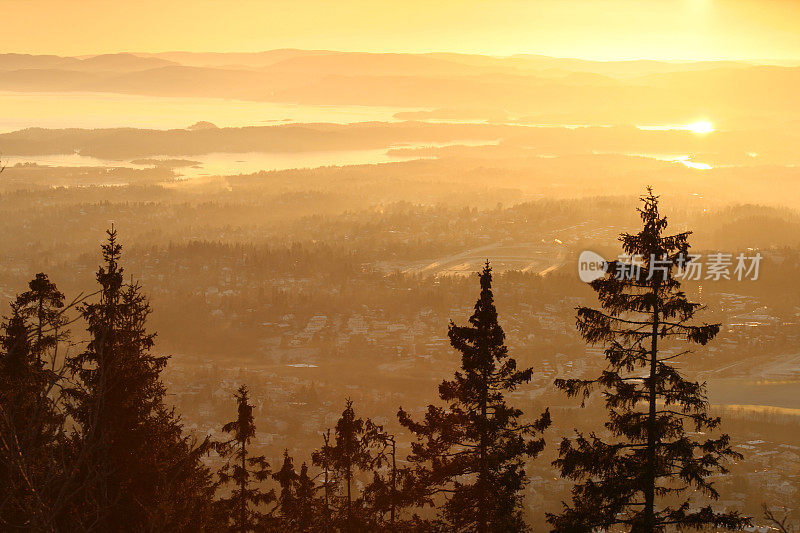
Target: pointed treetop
[[243, 428], [486, 276], [654, 223], [112, 249]]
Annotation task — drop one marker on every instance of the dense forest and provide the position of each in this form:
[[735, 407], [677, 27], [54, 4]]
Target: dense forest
[[90, 440]]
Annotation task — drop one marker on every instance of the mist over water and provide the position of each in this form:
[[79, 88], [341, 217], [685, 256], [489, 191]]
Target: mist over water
[[109, 110]]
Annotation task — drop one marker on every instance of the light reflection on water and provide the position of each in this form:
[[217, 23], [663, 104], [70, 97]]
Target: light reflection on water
[[702, 126], [111, 110], [233, 163], [106, 110], [685, 160], [226, 163], [223, 163]]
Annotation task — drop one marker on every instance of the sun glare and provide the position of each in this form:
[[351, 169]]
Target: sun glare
[[700, 127]]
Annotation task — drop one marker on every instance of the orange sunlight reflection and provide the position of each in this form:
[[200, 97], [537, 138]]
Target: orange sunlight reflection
[[702, 126]]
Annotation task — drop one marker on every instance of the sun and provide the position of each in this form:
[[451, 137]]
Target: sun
[[700, 127]]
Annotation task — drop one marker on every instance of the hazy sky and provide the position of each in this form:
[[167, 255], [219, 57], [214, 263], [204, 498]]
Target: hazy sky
[[598, 29]]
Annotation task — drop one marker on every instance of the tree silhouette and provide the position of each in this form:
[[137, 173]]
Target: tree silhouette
[[305, 501], [287, 478], [33, 444], [138, 470], [356, 448], [473, 451], [780, 523], [648, 459], [43, 305], [297, 504], [322, 458], [244, 508], [390, 491], [29, 429]]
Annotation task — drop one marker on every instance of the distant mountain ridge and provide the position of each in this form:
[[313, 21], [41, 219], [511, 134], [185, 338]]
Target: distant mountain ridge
[[121, 62], [360, 61], [524, 85]]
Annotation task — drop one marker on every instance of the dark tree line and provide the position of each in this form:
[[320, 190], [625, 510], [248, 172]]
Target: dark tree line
[[87, 442], [86, 439]]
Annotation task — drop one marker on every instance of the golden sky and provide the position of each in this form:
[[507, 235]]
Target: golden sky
[[595, 29]]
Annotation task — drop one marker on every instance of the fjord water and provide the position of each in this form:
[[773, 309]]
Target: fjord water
[[106, 110]]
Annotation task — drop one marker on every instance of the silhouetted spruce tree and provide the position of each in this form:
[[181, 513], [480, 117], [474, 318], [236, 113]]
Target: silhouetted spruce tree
[[642, 474], [354, 451], [20, 385], [474, 450], [306, 503], [138, 470], [245, 508], [287, 498], [43, 306], [32, 441], [297, 504]]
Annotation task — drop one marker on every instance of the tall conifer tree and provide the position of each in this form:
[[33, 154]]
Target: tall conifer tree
[[356, 449], [306, 503], [138, 469], [245, 506], [287, 498], [32, 441], [42, 305], [473, 451], [297, 504], [643, 471]]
